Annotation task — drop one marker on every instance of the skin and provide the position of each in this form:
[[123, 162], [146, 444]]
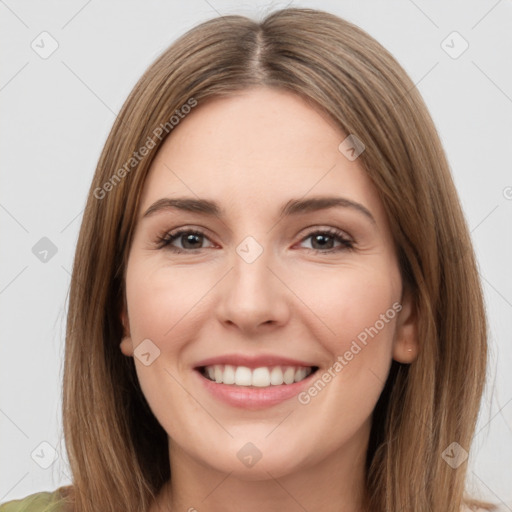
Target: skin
[[251, 153]]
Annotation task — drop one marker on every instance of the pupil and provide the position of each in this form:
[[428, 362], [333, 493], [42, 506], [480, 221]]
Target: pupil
[[191, 238], [319, 238]]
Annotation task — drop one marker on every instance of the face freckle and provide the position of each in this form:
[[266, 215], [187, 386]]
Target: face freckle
[[255, 283]]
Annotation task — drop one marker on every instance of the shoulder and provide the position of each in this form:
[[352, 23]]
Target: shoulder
[[37, 502]]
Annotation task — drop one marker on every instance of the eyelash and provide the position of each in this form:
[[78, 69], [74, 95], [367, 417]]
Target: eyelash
[[165, 240]]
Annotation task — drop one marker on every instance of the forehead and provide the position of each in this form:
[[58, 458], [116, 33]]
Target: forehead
[[256, 150]]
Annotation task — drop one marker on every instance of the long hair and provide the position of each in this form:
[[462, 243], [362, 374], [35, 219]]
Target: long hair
[[117, 450]]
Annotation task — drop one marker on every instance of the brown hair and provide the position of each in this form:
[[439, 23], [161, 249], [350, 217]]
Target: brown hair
[[117, 449]]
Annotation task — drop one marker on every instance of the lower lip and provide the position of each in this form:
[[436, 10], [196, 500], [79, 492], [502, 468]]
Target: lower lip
[[254, 397]]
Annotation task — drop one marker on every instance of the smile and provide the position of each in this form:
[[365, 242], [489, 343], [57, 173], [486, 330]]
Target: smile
[[261, 377], [253, 383]]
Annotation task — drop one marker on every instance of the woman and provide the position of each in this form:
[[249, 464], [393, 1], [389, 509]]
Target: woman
[[274, 302]]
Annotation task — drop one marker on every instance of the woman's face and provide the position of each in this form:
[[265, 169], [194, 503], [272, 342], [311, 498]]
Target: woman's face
[[225, 316]]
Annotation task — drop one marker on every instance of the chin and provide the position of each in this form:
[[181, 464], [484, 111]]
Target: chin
[[259, 460]]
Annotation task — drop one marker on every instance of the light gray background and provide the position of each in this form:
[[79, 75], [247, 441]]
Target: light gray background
[[57, 112]]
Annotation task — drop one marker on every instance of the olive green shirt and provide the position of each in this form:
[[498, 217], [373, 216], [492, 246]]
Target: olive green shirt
[[37, 502]]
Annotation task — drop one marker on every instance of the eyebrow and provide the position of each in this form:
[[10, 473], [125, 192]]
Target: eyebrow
[[292, 207]]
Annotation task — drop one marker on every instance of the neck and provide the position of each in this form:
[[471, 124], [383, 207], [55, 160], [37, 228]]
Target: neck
[[335, 484]]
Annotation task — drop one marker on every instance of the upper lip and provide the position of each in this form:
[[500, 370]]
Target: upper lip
[[252, 361]]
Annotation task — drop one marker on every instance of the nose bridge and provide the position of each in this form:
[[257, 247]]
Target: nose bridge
[[251, 294], [251, 278]]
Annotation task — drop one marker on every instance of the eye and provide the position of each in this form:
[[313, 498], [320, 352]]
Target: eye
[[324, 240], [190, 240]]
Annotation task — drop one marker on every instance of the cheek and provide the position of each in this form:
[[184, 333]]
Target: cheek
[[161, 302], [162, 307], [360, 305], [358, 308], [353, 303]]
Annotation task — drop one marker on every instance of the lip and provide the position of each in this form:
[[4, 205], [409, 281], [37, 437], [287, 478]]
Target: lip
[[253, 398], [253, 361]]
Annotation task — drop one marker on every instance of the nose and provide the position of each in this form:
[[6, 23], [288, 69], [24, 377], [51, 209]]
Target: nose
[[252, 296]]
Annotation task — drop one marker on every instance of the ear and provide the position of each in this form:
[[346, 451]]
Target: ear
[[126, 344], [405, 344]]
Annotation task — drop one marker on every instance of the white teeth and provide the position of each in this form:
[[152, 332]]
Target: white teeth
[[243, 376], [300, 374], [228, 377], [289, 375], [259, 377], [276, 376]]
